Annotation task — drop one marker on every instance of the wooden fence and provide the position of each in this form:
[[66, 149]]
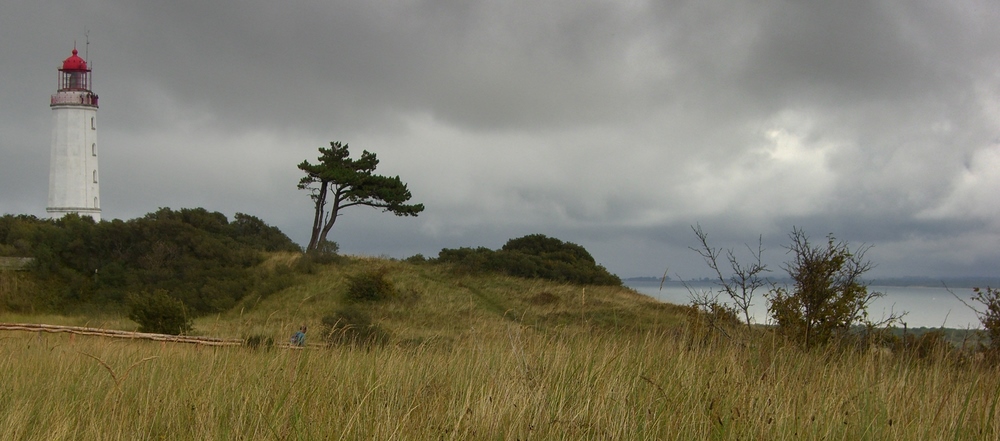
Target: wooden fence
[[79, 330], [16, 263]]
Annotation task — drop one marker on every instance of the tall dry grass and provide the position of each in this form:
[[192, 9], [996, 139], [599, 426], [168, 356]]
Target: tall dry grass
[[478, 357], [506, 382]]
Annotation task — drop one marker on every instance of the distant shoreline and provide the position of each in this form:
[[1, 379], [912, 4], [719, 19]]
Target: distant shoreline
[[928, 282]]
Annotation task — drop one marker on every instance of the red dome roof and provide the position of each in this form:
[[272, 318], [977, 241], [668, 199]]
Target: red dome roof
[[74, 62]]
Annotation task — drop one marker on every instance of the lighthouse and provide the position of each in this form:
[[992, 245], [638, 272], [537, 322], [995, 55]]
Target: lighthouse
[[73, 183]]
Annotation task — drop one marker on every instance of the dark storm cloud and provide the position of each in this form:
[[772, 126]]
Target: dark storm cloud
[[488, 65]]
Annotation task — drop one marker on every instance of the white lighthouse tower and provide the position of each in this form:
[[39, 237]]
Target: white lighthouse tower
[[73, 183]]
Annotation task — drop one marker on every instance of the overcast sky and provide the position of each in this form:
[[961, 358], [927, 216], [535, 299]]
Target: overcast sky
[[612, 124]]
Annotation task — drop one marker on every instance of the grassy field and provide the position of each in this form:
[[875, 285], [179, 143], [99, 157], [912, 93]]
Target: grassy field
[[474, 357]]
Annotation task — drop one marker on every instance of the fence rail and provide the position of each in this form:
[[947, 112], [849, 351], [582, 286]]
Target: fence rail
[[80, 330], [16, 263]]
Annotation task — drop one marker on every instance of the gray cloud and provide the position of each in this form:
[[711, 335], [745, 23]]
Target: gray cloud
[[615, 125]]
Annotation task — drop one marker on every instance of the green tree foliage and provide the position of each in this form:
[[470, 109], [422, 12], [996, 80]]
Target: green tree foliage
[[159, 313], [198, 256], [337, 182], [989, 298], [533, 256], [827, 296], [254, 232]]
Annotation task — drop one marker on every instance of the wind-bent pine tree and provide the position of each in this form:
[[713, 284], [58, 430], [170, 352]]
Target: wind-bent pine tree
[[338, 182]]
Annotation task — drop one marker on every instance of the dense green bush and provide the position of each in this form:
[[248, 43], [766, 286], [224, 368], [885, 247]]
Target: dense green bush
[[159, 313], [533, 256], [370, 286], [352, 326], [198, 256], [257, 234], [472, 260], [828, 295]]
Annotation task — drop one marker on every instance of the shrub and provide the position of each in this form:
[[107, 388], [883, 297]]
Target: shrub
[[467, 260], [327, 248], [828, 295], [370, 286], [826, 299], [258, 234], [923, 345], [259, 341], [352, 326], [533, 256], [158, 313], [325, 254], [741, 286], [87, 264], [708, 318], [989, 317]]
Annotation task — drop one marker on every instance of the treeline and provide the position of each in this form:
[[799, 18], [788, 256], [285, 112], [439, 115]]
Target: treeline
[[533, 256], [208, 263], [199, 257]]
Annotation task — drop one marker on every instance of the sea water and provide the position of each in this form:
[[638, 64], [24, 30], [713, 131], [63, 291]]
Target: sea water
[[925, 306]]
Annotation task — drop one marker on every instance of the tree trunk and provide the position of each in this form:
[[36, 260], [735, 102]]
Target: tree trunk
[[317, 227], [331, 218]]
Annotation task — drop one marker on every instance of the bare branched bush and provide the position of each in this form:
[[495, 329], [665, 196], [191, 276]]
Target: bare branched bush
[[743, 282], [989, 299], [708, 317], [827, 297]]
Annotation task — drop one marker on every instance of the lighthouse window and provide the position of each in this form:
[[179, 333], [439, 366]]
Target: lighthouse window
[[93, 149], [95, 176], [95, 203], [93, 126]]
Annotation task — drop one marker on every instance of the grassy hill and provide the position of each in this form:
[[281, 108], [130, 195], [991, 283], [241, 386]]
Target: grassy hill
[[436, 302], [432, 303], [476, 357]]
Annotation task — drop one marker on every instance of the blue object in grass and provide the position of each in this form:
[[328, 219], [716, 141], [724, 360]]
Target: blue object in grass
[[299, 339]]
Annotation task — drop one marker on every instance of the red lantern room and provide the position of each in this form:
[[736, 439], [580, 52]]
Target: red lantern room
[[74, 75], [74, 83]]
